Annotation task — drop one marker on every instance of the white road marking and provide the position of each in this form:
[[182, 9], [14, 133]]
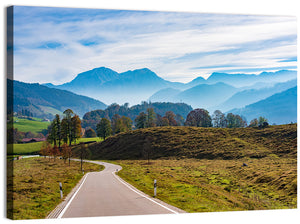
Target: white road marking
[[66, 207], [123, 182]]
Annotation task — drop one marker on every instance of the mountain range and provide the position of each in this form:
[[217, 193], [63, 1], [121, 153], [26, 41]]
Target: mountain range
[[280, 108], [222, 91], [111, 87]]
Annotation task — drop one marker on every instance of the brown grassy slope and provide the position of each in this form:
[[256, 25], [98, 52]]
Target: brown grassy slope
[[201, 143]]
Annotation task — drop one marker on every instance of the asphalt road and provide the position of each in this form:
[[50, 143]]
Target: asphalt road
[[105, 194]]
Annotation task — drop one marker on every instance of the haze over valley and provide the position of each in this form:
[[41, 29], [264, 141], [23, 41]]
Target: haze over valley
[[220, 91]]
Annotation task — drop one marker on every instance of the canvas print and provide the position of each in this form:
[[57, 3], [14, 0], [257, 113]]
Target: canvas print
[[123, 112]]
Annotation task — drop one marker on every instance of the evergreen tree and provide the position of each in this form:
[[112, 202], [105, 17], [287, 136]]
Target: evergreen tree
[[140, 120], [150, 118]]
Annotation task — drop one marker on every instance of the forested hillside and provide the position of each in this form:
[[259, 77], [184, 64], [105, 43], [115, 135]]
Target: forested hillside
[[91, 118], [45, 102]]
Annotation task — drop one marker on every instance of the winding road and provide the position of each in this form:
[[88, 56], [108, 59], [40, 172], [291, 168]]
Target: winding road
[[105, 194]]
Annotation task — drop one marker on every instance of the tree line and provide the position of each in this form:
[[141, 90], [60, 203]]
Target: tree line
[[198, 118], [68, 129]]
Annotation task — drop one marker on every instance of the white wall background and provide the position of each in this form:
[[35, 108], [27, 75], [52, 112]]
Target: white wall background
[[254, 7]]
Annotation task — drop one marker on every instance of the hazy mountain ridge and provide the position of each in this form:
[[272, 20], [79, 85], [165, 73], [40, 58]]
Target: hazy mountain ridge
[[220, 91], [280, 108], [135, 86], [250, 96]]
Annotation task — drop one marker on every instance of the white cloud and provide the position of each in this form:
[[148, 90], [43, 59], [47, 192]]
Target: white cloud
[[170, 44]]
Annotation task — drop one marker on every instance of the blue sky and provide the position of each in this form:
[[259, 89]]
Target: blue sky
[[55, 44]]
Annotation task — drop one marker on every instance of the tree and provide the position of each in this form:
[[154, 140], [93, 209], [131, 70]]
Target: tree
[[66, 152], [54, 130], [219, 119], [70, 127], [161, 121], [140, 120], [46, 149], [235, 121], [170, 116], [116, 124], [198, 118], [126, 123], [67, 126], [150, 118], [253, 123], [90, 133], [179, 120], [104, 128], [55, 135], [75, 128], [263, 122], [55, 152]]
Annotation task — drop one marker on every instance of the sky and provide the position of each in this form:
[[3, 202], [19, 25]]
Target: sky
[[53, 45]]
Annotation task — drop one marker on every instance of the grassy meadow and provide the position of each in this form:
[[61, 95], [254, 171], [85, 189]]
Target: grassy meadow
[[35, 125], [35, 147], [24, 149], [201, 185], [35, 185]]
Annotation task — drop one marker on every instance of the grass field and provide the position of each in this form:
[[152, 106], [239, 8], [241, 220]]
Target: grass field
[[97, 139], [35, 185], [217, 185], [24, 149], [35, 126], [35, 147]]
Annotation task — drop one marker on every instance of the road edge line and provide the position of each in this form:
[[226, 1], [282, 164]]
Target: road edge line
[[69, 202], [143, 195]]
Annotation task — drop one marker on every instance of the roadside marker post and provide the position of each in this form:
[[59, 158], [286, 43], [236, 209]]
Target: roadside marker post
[[60, 188], [155, 188]]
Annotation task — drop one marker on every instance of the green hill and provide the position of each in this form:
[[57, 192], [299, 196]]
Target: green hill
[[44, 102], [200, 143]]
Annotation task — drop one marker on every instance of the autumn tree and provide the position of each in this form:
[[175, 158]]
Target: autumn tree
[[104, 128], [170, 116], [199, 118], [66, 152], [46, 149], [161, 121], [54, 152]]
